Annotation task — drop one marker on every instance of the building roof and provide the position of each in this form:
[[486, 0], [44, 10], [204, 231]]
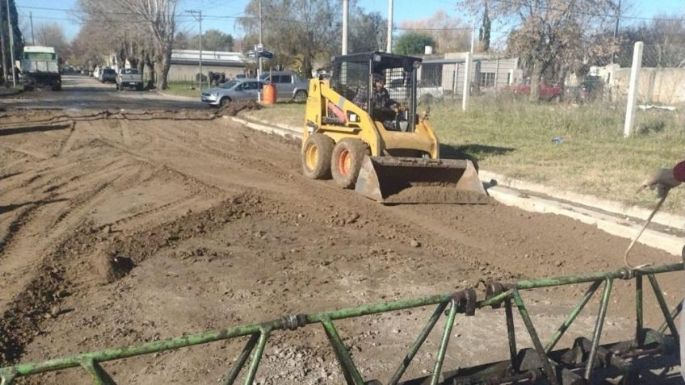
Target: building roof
[[38, 48], [216, 58]]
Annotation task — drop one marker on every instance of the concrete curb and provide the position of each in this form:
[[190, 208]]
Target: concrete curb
[[621, 228], [584, 208], [665, 219]]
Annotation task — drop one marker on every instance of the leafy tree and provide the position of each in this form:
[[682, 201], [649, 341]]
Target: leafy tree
[[413, 43], [212, 40]]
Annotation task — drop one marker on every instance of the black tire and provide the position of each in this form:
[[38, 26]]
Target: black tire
[[300, 96], [224, 101], [316, 156], [346, 161]]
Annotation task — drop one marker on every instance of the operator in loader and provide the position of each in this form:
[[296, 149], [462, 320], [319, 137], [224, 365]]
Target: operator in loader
[[663, 180], [385, 109]]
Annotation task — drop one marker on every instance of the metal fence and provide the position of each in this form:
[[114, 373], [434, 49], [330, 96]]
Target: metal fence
[[584, 364]]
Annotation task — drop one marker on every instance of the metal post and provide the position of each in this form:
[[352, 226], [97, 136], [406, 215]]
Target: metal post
[[604, 304], [391, 11], [639, 322], [9, 26], [200, 50], [440, 358], [345, 16], [467, 81], [632, 90], [261, 45]]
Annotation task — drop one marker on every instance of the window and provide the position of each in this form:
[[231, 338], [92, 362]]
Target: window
[[284, 79], [487, 79]]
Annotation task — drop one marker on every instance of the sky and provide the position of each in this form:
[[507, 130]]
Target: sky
[[58, 11]]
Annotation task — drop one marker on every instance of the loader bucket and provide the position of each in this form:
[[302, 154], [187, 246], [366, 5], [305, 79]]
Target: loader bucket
[[416, 180]]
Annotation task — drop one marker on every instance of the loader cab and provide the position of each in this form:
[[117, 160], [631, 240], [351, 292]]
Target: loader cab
[[356, 76]]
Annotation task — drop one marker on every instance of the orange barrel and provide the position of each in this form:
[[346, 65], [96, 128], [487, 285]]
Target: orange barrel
[[269, 94]]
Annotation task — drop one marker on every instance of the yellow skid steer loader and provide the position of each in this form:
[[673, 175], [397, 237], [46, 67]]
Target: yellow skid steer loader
[[362, 128]]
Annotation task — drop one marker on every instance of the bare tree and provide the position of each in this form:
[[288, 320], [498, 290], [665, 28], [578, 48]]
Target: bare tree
[[300, 32], [141, 31], [553, 37], [52, 35]]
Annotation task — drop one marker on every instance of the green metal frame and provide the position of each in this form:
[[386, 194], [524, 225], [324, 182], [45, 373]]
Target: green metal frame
[[450, 303]]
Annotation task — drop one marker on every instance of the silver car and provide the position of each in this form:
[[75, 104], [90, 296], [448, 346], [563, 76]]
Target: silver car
[[289, 86], [238, 89]]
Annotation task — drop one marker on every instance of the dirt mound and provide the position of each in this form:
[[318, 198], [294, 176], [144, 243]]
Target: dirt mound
[[233, 108]]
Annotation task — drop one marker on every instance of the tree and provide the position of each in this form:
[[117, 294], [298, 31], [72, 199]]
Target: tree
[[368, 31], [553, 37], [484, 31], [299, 32], [142, 30], [52, 35], [182, 40], [212, 40], [449, 34], [4, 35], [413, 43], [663, 39]]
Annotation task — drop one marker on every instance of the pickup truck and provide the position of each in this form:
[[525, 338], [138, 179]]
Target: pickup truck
[[289, 86], [129, 77]]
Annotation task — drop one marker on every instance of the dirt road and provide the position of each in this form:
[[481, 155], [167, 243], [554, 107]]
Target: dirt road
[[116, 231], [83, 92]]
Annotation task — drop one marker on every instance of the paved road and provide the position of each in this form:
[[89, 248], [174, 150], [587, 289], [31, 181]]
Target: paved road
[[82, 92]]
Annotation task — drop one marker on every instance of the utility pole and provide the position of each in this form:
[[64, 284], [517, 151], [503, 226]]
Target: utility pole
[[345, 16], [261, 44], [391, 11], [4, 58], [197, 15], [33, 38], [9, 25], [618, 19]]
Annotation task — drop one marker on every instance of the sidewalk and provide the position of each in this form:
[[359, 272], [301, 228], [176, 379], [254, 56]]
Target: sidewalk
[[666, 232]]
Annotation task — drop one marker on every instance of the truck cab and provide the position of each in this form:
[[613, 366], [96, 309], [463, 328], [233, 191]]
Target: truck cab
[[40, 68]]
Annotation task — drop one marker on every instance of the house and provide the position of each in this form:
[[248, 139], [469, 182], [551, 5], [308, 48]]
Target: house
[[185, 64], [445, 74]]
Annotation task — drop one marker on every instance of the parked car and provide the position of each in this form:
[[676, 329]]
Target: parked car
[[129, 77], [232, 90], [108, 75], [289, 86]]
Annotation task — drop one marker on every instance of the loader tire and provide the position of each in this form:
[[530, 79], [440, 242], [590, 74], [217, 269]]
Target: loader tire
[[316, 156], [346, 161]]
